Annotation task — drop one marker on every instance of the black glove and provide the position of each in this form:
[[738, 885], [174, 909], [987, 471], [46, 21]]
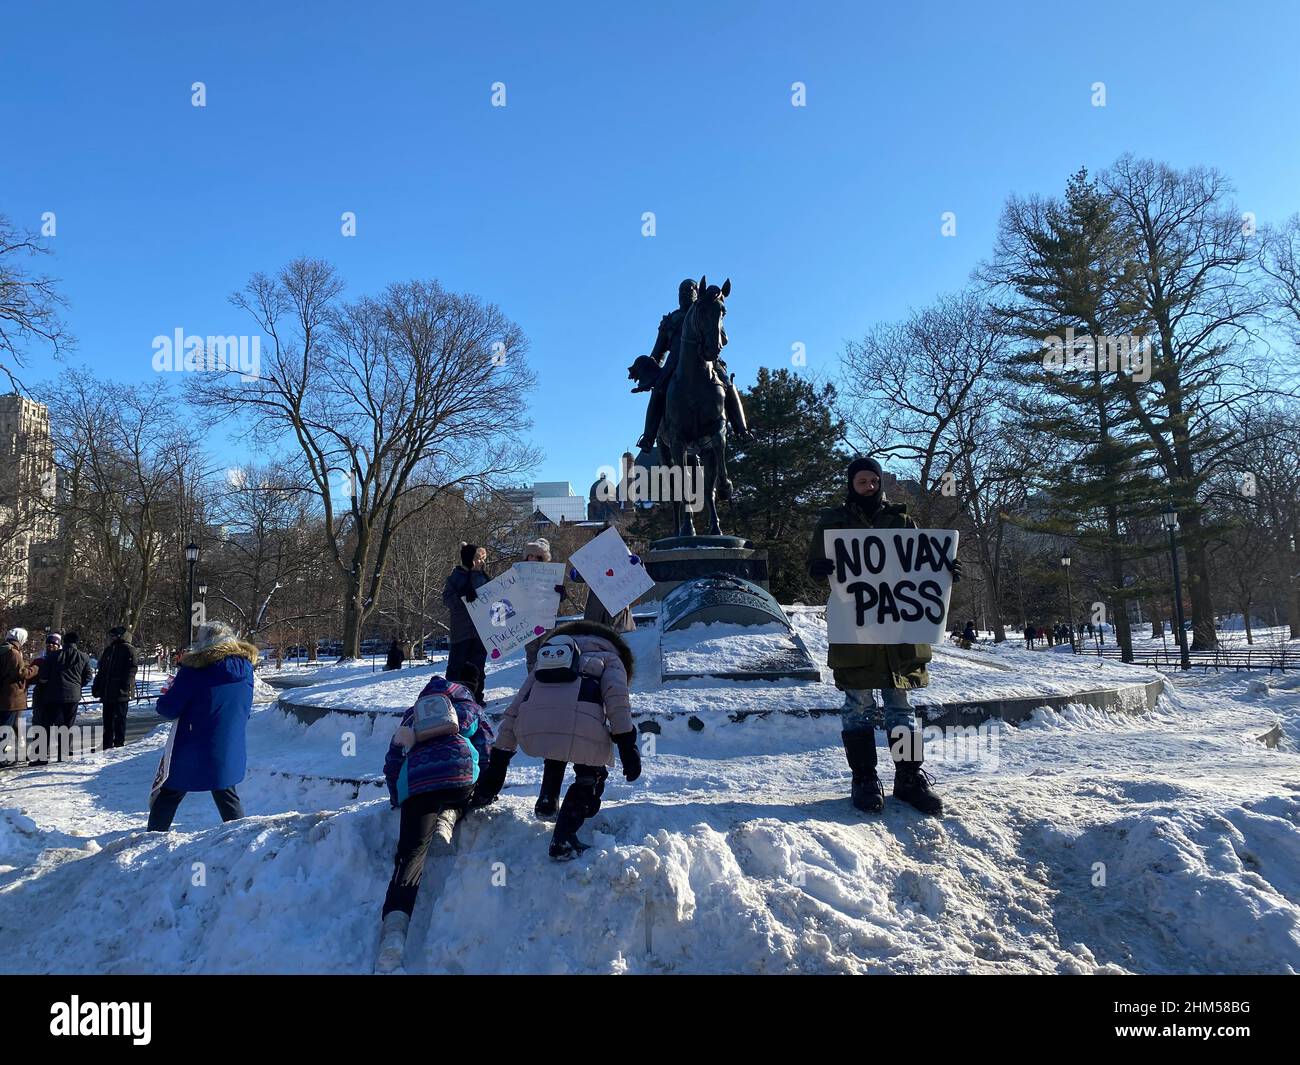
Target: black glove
[[559, 589], [956, 570], [470, 594], [492, 779], [628, 754], [821, 568]]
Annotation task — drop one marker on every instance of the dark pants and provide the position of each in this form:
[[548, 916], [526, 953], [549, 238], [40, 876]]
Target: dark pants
[[467, 652], [115, 724], [50, 716], [552, 778], [419, 818], [9, 720], [581, 801], [164, 807]]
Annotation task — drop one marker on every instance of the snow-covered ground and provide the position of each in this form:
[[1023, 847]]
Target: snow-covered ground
[[1080, 842]]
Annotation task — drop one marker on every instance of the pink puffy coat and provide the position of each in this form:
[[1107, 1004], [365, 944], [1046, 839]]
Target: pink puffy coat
[[573, 722]]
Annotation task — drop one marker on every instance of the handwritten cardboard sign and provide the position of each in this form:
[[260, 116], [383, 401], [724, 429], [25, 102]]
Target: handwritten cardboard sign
[[539, 580], [617, 576], [889, 585], [505, 615]]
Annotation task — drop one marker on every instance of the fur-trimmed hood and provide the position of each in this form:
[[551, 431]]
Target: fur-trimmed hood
[[604, 632], [214, 653]]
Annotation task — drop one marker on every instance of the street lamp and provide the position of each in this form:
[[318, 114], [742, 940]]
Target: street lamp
[[1069, 599], [192, 557], [1169, 521]]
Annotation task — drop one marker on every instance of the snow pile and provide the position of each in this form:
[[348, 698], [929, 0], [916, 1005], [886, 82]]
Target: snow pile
[[1087, 842]]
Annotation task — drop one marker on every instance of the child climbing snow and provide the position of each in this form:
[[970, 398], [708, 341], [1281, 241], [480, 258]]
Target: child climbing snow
[[573, 707], [431, 769]]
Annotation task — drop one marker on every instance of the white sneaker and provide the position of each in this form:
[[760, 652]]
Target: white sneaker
[[392, 943]]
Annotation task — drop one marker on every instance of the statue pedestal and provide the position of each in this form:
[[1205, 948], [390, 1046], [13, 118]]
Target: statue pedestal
[[677, 559]]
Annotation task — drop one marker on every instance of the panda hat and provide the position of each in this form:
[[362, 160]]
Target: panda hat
[[557, 661]]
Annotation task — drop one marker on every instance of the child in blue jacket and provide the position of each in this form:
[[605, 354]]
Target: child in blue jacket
[[431, 781], [210, 702]]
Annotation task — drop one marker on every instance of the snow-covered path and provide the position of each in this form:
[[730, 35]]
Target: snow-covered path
[[1168, 842]]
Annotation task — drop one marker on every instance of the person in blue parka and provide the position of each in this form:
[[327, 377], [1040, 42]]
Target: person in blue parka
[[210, 701]]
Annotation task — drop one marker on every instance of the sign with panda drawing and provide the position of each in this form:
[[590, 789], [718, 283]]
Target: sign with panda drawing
[[505, 615], [611, 571], [889, 585]]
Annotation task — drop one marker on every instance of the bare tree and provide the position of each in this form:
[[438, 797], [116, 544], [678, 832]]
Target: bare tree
[[30, 303], [410, 394], [1198, 298]]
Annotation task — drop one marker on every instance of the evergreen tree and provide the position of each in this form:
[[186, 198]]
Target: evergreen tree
[[792, 469], [1070, 265]]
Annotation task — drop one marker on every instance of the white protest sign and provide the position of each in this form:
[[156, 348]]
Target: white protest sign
[[504, 615], [539, 580], [616, 576], [889, 585]]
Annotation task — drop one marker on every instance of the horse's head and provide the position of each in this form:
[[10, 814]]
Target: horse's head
[[710, 309]]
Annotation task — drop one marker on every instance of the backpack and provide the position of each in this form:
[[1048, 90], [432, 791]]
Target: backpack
[[557, 661], [434, 715]]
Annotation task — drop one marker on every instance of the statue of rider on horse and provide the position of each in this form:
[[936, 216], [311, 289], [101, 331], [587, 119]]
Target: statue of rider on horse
[[652, 373], [692, 396]]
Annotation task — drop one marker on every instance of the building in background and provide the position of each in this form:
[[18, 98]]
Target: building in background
[[546, 503], [28, 485]]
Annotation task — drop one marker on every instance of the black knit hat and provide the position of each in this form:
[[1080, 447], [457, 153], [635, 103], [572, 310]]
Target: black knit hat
[[863, 463], [467, 553]]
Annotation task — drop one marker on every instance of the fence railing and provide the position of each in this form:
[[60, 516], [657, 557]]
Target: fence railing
[[1276, 656]]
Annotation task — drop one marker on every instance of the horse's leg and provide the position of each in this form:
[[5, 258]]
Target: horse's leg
[[687, 467], [679, 509], [713, 462]]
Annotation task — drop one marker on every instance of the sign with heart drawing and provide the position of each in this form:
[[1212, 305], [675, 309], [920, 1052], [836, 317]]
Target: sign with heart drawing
[[617, 576]]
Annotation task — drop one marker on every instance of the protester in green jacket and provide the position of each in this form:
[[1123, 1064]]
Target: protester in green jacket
[[861, 668]]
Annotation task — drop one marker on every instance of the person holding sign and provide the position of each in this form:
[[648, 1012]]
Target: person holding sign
[[465, 646], [539, 550], [860, 668]]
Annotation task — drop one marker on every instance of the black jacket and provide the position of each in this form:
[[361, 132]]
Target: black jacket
[[459, 581], [115, 680], [63, 674]]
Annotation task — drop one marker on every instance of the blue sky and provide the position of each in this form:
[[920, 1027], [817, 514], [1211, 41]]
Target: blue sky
[[826, 217]]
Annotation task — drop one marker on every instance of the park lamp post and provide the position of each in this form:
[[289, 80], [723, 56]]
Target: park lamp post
[[1169, 521], [1069, 598], [192, 557]]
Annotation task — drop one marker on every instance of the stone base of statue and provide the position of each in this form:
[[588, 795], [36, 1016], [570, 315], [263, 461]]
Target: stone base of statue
[[727, 627], [677, 559], [716, 587]]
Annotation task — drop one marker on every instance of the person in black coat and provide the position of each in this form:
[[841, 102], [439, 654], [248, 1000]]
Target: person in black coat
[[64, 671], [466, 648], [115, 685], [395, 656]]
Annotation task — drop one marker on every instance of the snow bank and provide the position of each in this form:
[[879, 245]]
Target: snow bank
[[1162, 842]]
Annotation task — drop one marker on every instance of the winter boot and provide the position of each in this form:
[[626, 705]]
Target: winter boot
[[597, 791], [392, 943], [912, 783], [565, 845], [443, 830], [860, 749], [549, 796]]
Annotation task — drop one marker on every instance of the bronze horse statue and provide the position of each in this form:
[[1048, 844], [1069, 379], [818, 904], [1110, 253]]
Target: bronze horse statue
[[694, 427]]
